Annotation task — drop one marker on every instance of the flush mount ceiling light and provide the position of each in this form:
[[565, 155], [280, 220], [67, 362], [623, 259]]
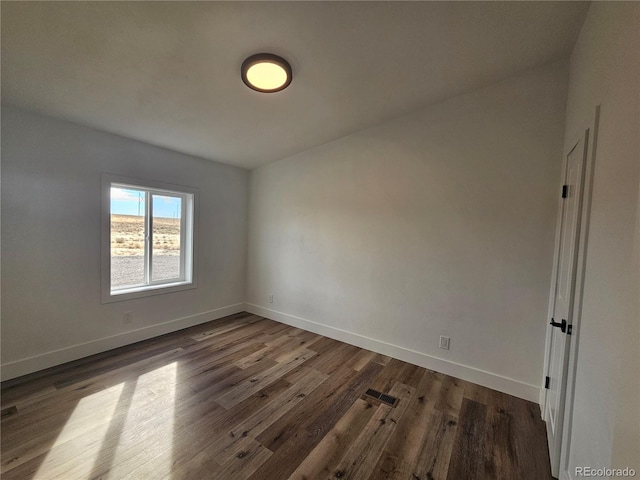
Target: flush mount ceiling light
[[267, 73]]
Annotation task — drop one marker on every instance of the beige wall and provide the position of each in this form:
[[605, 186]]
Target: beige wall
[[51, 303], [605, 70], [437, 223]]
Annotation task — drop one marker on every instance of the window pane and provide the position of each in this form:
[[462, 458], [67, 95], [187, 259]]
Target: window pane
[[127, 237], [167, 211]]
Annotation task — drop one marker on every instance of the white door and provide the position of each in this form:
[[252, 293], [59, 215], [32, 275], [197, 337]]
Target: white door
[[561, 321]]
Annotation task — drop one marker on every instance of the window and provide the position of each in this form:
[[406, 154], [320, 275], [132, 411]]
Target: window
[[148, 238]]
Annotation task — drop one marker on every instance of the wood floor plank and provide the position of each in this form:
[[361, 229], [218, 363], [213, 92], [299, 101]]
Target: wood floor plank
[[31, 384], [217, 331], [362, 456], [500, 455], [245, 389], [308, 338], [202, 465], [526, 418], [297, 434], [467, 459], [435, 452], [360, 359], [324, 458], [256, 423], [54, 454], [80, 408], [330, 360], [324, 345], [245, 397], [194, 433], [381, 359], [270, 350], [403, 449], [396, 371], [339, 387], [451, 396], [221, 377], [476, 392], [243, 459]]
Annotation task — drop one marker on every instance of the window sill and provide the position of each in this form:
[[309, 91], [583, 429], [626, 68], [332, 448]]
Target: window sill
[[145, 291]]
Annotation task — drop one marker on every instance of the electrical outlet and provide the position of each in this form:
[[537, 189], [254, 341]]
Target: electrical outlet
[[270, 298], [127, 317], [444, 342]]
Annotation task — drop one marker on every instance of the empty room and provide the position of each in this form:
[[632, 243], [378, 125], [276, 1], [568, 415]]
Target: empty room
[[320, 240]]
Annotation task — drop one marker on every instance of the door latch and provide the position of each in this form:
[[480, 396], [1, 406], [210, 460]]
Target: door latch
[[562, 325]]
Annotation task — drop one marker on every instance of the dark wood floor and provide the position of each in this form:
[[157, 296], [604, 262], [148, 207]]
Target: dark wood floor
[[246, 397]]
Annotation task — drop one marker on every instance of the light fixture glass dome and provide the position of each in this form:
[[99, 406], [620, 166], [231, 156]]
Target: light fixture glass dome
[[267, 73]]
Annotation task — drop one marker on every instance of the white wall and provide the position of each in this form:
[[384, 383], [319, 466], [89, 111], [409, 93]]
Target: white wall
[[605, 70], [437, 223], [51, 303]]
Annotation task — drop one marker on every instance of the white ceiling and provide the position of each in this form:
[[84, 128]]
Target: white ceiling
[[168, 73]]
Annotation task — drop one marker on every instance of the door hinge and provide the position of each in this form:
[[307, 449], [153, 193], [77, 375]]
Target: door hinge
[[547, 382], [565, 191]]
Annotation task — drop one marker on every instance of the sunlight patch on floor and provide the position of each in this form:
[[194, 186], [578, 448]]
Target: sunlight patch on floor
[[73, 452], [125, 431], [145, 445]]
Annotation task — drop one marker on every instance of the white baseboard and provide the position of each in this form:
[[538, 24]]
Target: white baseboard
[[68, 354], [481, 377]]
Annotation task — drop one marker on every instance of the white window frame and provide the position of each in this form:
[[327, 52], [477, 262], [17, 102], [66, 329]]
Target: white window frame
[[188, 238]]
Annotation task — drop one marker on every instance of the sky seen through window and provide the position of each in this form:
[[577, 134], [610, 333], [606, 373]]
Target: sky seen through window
[[125, 201]]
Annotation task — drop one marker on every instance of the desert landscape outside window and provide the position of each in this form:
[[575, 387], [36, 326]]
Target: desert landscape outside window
[[150, 240]]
